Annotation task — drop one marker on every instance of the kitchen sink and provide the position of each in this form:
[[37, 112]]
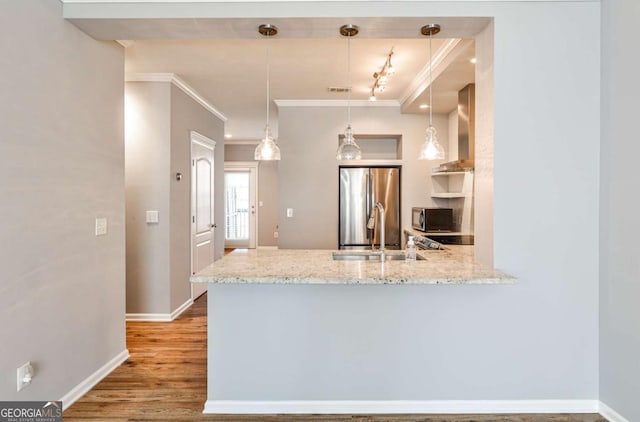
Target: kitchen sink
[[370, 256]]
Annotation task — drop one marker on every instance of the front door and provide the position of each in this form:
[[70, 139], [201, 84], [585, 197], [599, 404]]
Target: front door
[[202, 206], [240, 186]]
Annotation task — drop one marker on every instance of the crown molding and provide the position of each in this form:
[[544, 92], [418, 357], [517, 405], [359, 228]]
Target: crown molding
[[336, 103], [178, 82], [441, 59], [149, 77], [125, 43]]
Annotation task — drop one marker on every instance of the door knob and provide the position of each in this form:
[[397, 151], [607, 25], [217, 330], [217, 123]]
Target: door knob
[[213, 226]]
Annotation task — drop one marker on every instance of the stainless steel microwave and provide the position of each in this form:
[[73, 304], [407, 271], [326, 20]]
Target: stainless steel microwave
[[432, 219]]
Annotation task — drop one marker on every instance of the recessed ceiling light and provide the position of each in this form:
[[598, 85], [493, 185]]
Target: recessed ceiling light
[[228, 135], [473, 60], [423, 106]]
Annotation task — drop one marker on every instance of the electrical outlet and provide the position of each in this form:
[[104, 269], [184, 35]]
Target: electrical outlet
[[24, 375], [101, 226]]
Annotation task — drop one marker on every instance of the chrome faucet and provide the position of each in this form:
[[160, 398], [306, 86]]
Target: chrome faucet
[[371, 225]]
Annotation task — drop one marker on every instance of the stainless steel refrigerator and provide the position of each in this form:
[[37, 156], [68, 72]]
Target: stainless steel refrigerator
[[360, 188]]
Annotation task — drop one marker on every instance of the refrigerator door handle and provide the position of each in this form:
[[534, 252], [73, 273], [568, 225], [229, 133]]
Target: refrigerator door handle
[[371, 205], [367, 202], [371, 200]]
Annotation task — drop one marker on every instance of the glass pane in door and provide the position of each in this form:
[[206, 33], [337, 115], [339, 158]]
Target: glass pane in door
[[236, 189]]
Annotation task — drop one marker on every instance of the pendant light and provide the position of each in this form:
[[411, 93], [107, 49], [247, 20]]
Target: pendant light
[[267, 149], [431, 149], [348, 149]]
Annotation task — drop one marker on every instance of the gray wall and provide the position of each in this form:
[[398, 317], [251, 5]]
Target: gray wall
[[267, 191], [147, 158], [61, 165], [546, 162], [308, 172], [160, 117], [619, 219], [239, 152], [188, 115], [537, 339]]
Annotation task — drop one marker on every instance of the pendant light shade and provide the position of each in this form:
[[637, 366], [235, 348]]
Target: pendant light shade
[[348, 148], [267, 149], [431, 149]]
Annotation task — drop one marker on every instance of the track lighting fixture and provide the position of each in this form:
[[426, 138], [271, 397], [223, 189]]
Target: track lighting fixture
[[381, 78]]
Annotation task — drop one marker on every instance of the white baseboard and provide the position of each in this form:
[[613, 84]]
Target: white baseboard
[[149, 317], [160, 317], [86, 385], [610, 414], [175, 314], [400, 406]]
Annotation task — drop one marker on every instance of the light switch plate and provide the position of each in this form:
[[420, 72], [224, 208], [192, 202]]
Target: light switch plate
[[152, 217], [101, 226], [24, 375], [289, 212]]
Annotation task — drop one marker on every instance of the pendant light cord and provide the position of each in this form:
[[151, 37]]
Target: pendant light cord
[[267, 55], [349, 80], [430, 84]]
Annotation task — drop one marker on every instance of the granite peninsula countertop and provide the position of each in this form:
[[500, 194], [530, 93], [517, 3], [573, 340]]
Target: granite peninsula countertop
[[454, 265]]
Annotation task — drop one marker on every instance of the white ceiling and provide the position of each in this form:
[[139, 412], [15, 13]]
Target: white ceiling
[[224, 60]]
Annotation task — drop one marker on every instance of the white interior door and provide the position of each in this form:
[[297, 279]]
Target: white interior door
[[241, 197], [202, 207]]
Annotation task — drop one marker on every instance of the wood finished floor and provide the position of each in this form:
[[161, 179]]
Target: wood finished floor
[[165, 379]]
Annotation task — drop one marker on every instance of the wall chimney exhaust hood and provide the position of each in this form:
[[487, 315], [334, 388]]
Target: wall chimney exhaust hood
[[466, 132]]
